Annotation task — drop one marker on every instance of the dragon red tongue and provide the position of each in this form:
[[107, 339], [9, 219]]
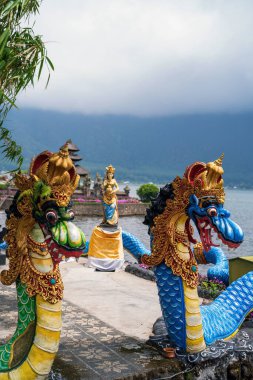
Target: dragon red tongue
[[58, 253], [206, 234]]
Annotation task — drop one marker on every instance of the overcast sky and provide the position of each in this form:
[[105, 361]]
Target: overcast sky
[[146, 57]]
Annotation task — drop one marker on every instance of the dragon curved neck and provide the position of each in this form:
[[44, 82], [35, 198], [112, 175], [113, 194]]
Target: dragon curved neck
[[170, 243], [176, 277], [30, 352]]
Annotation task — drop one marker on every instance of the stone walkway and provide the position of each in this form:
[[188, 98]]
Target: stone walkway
[[90, 348]]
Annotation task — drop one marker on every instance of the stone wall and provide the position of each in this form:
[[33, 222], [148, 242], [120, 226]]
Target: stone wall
[[126, 209], [5, 203]]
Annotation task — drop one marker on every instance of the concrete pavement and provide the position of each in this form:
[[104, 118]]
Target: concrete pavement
[[106, 319], [126, 302]]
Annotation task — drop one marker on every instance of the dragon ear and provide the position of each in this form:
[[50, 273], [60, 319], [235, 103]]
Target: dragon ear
[[194, 171], [38, 161]]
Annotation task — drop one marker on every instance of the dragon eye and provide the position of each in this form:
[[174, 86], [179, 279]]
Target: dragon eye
[[212, 211], [52, 217]]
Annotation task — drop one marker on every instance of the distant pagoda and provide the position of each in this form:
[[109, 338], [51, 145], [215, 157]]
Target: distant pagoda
[[73, 153]]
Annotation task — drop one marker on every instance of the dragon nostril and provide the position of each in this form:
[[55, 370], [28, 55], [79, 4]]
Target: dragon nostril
[[71, 214]]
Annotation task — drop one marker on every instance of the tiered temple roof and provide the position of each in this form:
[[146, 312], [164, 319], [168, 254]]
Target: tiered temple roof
[[73, 152]]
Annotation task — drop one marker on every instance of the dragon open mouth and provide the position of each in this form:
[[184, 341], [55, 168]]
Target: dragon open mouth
[[64, 241], [59, 252], [208, 233]]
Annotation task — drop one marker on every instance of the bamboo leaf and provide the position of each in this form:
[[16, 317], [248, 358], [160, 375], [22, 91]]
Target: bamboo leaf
[[3, 40], [50, 63], [22, 58]]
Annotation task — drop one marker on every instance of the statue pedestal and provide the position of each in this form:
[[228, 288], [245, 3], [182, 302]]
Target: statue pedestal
[[106, 249]]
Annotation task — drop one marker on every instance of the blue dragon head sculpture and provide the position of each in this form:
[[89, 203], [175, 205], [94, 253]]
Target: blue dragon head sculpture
[[211, 219], [213, 222], [198, 196]]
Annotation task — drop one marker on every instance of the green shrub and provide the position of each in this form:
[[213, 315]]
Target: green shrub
[[213, 286], [4, 186], [147, 192]]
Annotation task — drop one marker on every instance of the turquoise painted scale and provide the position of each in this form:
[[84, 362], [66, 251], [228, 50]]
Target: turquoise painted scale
[[227, 312], [220, 269], [26, 316], [220, 319], [171, 295]]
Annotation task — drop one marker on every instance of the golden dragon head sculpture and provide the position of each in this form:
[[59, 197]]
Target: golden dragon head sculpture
[[39, 223]]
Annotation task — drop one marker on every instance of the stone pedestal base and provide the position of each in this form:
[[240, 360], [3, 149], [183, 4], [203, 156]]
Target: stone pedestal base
[[106, 249], [2, 258], [223, 352]]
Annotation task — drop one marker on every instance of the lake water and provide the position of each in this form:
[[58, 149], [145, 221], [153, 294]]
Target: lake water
[[238, 202]]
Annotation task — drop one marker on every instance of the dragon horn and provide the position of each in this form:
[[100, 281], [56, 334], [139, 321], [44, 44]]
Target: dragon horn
[[218, 162]]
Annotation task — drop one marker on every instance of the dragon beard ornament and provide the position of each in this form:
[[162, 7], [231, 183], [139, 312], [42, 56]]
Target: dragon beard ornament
[[40, 233]]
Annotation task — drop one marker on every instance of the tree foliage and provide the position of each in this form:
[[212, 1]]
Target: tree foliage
[[147, 192], [22, 58]]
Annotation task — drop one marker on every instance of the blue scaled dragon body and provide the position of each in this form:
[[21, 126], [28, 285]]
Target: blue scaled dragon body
[[198, 197]]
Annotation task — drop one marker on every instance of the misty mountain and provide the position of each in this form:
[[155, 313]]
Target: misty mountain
[[142, 149]]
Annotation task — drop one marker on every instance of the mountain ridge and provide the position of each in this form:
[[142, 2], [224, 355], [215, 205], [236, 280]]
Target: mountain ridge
[[142, 149]]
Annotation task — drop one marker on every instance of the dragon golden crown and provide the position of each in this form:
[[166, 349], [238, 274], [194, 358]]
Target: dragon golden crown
[[206, 179], [55, 170]]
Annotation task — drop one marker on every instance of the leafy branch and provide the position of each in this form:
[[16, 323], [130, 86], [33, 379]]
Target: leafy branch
[[22, 58]]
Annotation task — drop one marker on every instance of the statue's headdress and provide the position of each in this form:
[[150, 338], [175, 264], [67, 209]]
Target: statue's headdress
[[110, 169]]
